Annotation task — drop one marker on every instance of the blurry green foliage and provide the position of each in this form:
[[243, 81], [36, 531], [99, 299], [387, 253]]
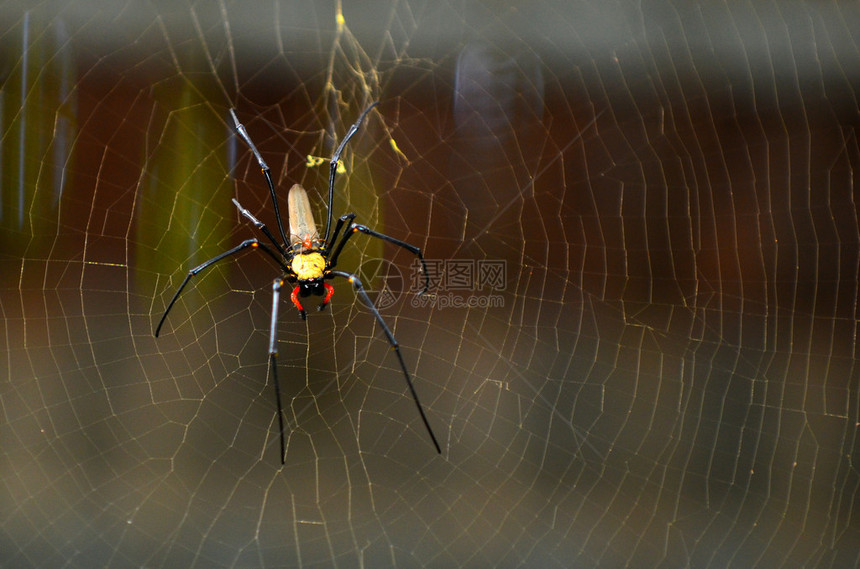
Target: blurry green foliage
[[185, 214], [38, 107]]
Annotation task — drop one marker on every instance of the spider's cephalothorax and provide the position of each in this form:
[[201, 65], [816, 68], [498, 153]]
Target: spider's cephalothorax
[[308, 261]]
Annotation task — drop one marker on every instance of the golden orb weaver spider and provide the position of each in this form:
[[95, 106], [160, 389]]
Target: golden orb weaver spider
[[308, 261]]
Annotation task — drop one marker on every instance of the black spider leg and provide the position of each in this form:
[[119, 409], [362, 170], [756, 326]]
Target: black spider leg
[[273, 360], [261, 226], [356, 227], [240, 247], [265, 168], [335, 159], [359, 290]]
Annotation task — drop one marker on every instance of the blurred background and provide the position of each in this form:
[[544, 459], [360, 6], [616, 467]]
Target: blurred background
[[640, 344]]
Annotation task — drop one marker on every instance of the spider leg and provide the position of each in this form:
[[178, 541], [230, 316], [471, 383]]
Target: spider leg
[[329, 291], [273, 359], [240, 128], [359, 290], [295, 298], [240, 247], [348, 218], [356, 227], [261, 226], [333, 167]]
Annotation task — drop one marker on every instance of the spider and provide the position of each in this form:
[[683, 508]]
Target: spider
[[308, 262]]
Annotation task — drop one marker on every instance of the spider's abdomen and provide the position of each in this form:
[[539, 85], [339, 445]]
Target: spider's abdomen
[[303, 230], [308, 266]]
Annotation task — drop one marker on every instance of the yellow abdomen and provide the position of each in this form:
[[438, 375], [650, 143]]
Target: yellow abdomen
[[308, 266]]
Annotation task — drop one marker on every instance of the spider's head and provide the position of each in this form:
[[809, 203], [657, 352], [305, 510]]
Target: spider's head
[[309, 268]]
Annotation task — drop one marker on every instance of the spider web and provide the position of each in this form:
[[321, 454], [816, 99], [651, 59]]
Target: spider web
[[663, 374]]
